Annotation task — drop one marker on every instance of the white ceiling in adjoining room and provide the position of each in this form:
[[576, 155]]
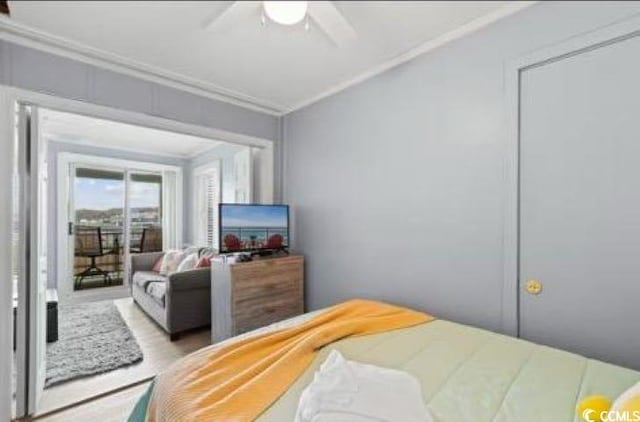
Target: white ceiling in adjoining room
[[224, 47], [79, 129]]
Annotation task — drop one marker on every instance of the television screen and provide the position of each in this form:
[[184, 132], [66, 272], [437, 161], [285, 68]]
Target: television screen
[[252, 227]]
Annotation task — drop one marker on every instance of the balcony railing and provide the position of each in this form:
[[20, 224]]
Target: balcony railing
[[112, 260]]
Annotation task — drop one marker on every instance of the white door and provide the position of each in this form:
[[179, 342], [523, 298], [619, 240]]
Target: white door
[[243, 176], [123, 202], [33, 176], [580, 203]]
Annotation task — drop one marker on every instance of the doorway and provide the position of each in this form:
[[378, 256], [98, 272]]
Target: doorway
[[26, 328]]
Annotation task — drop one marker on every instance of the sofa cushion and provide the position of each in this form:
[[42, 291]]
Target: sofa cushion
[[143, 278], [158, 264], [208, 252], [189, 263], [170, 261], [204, 262], [157, 291]]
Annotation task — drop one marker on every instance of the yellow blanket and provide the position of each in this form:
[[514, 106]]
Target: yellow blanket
[[237, 381]]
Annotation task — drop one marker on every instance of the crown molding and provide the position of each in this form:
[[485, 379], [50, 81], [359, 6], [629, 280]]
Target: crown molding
[[24, 35], [466, 29], [18, 33]]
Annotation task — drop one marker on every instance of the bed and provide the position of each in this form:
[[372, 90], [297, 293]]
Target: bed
[[466, 373]]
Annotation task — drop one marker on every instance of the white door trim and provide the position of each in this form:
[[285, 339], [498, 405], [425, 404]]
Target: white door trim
[[7, 146], [65, 253], [37, 275], [598, 38]]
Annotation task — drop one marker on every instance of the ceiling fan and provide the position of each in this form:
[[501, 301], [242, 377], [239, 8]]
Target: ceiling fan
[[324, 14]]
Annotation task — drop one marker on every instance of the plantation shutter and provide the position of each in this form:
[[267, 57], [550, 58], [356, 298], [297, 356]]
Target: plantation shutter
[[208, 198], [212, 208], [171, 216]]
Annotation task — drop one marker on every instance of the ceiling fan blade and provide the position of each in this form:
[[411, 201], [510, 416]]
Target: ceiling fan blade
[[332, 22], [230, 16], [4, 8]]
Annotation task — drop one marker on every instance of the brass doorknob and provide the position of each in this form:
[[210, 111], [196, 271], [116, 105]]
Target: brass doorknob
[[533, 287]]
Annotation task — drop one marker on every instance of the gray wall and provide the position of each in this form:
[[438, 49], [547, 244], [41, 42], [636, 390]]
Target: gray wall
[[397, 183], [39, 71], [55, 148]]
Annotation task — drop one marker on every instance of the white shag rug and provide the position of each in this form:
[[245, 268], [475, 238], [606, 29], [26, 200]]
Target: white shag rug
[[92, 339]]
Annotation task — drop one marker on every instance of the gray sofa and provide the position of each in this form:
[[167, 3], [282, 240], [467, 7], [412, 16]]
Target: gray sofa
[[177, 302]]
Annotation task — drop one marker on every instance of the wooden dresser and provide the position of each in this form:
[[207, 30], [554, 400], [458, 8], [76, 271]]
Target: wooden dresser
[[249, 295]]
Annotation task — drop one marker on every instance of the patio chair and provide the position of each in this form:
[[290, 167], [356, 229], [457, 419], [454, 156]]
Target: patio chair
[[151, 241], [88, 244]]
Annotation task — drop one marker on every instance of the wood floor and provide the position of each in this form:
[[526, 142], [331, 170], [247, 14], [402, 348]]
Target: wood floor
[[158, 352], [114, 407]]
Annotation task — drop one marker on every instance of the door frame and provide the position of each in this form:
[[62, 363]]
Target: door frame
[[11, 96], [8, 144], [34, 243], [601, 37], [64, 198]]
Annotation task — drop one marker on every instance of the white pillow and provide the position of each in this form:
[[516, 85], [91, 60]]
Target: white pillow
[[189, 263], [170, 261], [623, 400]]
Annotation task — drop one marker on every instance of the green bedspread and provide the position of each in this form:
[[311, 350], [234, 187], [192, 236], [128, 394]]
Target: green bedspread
[[469, 374], [139, 412]]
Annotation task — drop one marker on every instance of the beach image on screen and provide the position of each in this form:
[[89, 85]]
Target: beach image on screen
[[245, 227]]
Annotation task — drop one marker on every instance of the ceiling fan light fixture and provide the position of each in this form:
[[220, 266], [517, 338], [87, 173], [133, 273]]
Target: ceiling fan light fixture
[[286, 12]]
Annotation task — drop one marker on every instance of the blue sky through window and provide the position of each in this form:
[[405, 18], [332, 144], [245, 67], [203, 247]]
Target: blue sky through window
[[104, 194]]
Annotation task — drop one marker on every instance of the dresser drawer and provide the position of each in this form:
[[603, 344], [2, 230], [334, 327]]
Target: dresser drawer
[[266, 279], [255, 314], [263, 290]]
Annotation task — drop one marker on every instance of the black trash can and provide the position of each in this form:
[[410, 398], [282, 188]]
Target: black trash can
[[52, 315]]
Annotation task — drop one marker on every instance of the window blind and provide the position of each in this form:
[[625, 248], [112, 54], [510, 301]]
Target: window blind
[[208, 198]]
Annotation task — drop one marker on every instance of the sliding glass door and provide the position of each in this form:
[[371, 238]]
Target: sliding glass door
[[113, 212]]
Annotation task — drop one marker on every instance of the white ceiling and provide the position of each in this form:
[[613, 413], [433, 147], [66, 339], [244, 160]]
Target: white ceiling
[[78, 129], [278, 67]]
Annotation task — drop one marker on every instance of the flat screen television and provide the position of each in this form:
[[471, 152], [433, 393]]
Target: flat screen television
[[253, 227]]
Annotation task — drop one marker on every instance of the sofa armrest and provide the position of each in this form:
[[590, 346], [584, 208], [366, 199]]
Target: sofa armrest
[[144, 261], [199, 278]]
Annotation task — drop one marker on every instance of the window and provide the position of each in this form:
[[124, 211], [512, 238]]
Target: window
[[207, 198]]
